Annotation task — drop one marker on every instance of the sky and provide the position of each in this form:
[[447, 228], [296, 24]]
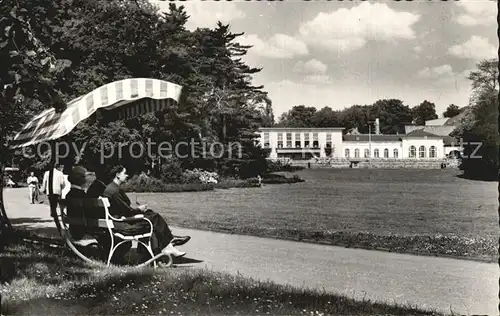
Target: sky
[[340, 53]]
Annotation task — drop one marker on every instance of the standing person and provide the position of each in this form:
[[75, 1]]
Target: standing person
[[10, 183], [53, 184], [32, 187], [120, 206]]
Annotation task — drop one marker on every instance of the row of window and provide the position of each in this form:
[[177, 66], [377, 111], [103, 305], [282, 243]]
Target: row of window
[[298, 140], [422, 153], [376, 153], [298, 144]]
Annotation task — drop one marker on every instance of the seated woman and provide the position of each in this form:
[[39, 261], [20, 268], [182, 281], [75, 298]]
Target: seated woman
[[120, 206], [78, 179]]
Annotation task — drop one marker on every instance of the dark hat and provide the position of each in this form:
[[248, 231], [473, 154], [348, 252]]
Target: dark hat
[[77, 176]]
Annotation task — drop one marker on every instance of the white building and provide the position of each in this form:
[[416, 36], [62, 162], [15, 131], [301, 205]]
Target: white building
[[442, 127], [308, 143], [302, 143]]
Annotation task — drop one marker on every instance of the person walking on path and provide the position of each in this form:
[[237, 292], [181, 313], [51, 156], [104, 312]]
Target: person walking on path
[[53, 184], [32, 187]]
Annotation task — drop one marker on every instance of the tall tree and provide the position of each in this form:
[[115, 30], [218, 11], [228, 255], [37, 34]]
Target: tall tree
[[298, 116], [105, 41], [325, 117], [480, 132], [452, 110], [27, 68], [485, 77], [423, 112], [393, 115], [356, 116]]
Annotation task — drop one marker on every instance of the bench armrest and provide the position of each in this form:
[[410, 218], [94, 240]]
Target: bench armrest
[[135, 218], [130, 219]]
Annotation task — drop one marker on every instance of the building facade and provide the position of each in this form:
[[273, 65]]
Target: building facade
[[301, 143], [317, 143]]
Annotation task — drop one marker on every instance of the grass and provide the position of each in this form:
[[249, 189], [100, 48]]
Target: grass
[[39, 280], [417, 211]]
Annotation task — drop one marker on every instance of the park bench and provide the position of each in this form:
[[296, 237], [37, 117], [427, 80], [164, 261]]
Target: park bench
[[107, 230]]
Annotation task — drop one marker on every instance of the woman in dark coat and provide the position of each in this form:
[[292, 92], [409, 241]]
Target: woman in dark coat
[[120, 206]]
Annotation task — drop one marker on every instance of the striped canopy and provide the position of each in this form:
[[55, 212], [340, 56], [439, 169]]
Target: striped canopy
[[126, 98]]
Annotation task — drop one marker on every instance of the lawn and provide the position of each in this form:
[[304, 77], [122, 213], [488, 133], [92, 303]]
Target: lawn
[[39, 280], [422, 211]]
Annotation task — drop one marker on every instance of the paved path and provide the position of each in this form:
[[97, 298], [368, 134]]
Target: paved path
[[466, 287]]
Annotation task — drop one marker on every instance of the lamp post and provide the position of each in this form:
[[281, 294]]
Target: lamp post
[[370, 144]]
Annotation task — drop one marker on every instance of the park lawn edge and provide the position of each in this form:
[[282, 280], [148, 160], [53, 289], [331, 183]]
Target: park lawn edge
[[47, 281], [439, 245]]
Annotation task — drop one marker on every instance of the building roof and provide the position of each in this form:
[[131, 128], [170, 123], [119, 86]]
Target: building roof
[[421, 133], [450, 121], [300, 128], [374, 138], [436, 130], [353, 131], [456, 120], [439, 121]]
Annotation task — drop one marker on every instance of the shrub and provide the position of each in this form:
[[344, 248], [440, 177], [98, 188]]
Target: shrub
[[199, 176], [277, 179], [277, 166], [144, 183], [171, 170], [237, 183]]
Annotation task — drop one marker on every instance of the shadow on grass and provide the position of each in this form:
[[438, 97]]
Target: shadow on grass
[[22, 257], [478, 178], [185, 260], [38, 234], [32, 268]]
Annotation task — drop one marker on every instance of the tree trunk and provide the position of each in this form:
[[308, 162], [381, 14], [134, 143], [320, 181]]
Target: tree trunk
[[223, 128], [5, 225]]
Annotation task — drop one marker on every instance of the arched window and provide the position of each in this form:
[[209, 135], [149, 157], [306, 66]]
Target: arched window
[[412, 152], [375, 153], [421, 152], [356, 153], [347, 153], [432, 152], [395, 153], [367, 153], [386, 153]]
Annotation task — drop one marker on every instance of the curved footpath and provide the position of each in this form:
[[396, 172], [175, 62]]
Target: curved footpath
[[462, 286]]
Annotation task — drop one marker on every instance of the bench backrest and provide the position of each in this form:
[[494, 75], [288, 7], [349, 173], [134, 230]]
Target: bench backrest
[[87, 206]]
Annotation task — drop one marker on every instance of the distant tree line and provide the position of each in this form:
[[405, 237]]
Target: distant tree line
[[393, 115]]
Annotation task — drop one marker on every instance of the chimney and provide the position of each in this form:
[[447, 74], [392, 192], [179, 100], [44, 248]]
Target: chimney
[[377, 126]]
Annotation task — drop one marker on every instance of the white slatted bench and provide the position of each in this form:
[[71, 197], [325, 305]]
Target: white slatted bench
[[115, 227]]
